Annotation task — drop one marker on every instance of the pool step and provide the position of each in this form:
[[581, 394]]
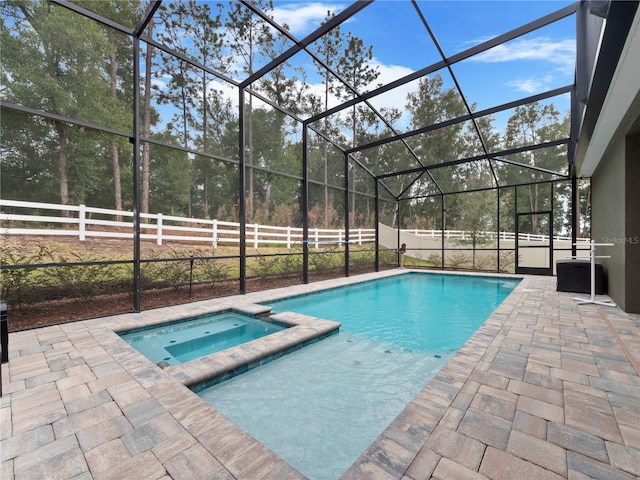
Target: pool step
[[220, 339]]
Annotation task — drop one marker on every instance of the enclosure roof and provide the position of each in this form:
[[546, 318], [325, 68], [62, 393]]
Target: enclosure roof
[[492, 59]]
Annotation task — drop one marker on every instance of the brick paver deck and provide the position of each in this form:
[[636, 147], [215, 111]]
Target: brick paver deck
[[546, 389]]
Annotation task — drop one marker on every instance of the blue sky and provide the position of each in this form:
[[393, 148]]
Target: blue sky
[[532, 64]]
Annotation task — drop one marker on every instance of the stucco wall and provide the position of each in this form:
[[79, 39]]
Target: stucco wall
[[632, 240], [608, 217]]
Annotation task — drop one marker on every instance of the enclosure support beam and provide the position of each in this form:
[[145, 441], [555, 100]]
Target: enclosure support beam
[[377, 222], [398, 234], [346, 214], [136, 175], [498, 229], [575, 221], [305, 206], [443, 227], [242, 217]]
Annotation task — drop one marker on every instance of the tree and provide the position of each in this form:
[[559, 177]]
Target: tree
[[201, 110], [248, 36], [328, 50], [55, 62], [146, 124], [429, 105], [355, 68], [533, 124], [120, 73]]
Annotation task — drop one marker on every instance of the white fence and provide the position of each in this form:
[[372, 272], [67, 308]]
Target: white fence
[[466, 235], [84, 222]]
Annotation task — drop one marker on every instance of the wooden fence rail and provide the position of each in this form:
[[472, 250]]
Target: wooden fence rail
[[82, 222]]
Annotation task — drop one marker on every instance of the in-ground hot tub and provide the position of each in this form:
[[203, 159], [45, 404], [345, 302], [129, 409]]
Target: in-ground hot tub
[[190, 338]]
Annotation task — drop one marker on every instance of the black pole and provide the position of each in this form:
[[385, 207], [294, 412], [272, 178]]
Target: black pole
[[4, 338], [241, 193], [190, 275], [551, 230], [305, 207], [498, 230], [575, 221], [398, 234], [516, 227], [346, 213], [377, 222], [4, 334], [442, 229], [136, 173]]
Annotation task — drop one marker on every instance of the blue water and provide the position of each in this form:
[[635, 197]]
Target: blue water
[[192, 338], [421, 312], [320, 407]]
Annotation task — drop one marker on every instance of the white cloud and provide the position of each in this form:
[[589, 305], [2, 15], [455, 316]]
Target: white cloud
[[532, 84], [303, 18], [559, 53]]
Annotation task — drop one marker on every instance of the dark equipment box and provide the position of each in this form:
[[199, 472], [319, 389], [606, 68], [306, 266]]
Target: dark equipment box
[[575, 276]]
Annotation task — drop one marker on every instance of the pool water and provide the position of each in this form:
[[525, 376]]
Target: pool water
[[192, 338], [320, 407], [415, 311]]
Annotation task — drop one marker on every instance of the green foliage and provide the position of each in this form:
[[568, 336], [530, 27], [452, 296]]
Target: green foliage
[[507, 262], [435, 259], [326, 260], [84, 281], [212, 271], [18, 285], [361, 258], [456, 260], [267, 265], [387, 257]]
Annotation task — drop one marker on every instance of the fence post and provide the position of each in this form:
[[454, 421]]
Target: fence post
[[317, 236], [159, 229], [255, 236], [339, 236], [360, 237], [215, 233], [289, 238], [81, 222]]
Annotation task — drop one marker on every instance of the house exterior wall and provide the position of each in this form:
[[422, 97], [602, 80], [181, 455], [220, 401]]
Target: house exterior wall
[[616, 218], [632, 241], [608, 217]]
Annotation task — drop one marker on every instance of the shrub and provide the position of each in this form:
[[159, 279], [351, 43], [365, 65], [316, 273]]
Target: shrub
[[84, 281], [456, 260], [435, 259], [213, 270], [507, 262], [326, 260], [17, 285]]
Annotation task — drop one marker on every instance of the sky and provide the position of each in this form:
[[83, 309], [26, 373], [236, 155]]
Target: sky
[[537, 62]]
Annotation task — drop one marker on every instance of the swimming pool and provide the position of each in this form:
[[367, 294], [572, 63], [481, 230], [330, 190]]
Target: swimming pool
[[320, 407], [188, 339]]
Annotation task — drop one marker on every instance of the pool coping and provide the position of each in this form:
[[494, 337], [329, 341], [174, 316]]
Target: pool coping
[[207, 370]]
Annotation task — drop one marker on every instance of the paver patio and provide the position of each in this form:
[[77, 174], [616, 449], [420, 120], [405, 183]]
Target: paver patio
[[545, 389]]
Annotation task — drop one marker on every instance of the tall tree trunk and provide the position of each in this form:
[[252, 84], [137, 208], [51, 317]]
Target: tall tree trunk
[[205, 199], [205, 190], [146, 125], [115, 158], [117, 187], [267, 199], [62, 166]]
